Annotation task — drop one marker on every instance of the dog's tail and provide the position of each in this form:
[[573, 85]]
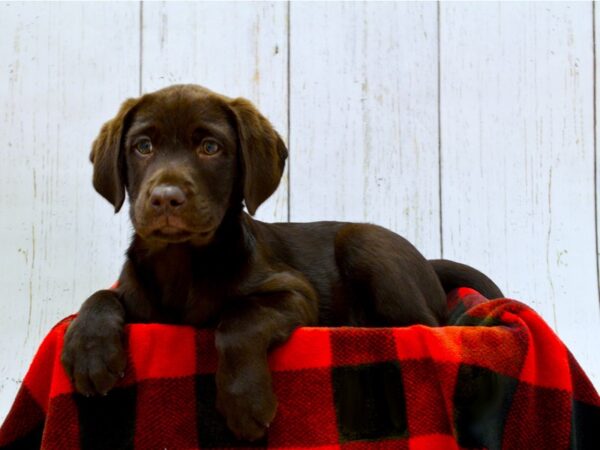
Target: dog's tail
[[454, 275]]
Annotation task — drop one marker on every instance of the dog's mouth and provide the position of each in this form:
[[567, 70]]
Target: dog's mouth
[[173, 229], [175, 235]]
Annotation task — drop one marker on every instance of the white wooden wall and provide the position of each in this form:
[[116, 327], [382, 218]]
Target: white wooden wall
[[466, 127]]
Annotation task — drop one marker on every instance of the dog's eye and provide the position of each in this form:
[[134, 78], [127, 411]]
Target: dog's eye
[[144, 147], [210, 147]]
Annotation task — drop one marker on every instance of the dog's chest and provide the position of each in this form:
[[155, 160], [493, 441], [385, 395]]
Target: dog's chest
[[191, 286], [187, 301], [203, 306]]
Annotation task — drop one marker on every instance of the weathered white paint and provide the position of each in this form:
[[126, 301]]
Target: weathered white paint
[[363, 105], [517, 118], [596, 10], [517, 140]]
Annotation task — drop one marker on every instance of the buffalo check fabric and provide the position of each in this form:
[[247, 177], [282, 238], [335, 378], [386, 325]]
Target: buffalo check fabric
[[496, 377]]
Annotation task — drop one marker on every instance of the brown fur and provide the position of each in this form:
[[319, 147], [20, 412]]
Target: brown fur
[[196, 258]]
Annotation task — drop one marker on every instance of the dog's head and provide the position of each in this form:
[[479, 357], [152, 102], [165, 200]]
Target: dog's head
[[185, 156]]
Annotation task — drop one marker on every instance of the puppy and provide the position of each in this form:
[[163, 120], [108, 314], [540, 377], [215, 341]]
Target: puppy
[[189, 160]]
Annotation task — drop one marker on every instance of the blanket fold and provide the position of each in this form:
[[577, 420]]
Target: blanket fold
[[496, 377]]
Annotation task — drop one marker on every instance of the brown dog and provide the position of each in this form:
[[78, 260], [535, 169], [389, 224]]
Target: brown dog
[[189, 159]]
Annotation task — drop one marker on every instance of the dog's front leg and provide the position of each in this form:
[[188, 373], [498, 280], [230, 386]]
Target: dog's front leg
[[249, 328], [93, 354]]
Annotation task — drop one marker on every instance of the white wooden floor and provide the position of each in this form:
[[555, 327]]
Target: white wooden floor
[[468, 128]]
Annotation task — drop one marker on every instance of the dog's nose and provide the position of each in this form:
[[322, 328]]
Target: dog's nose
[[165, 196]]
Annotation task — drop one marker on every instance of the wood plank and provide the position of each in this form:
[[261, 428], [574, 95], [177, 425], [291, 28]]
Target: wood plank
[[64, 68], [364, 134], [237, 49], [517, 144]]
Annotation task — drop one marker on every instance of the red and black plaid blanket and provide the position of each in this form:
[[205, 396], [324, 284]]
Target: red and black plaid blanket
[[497, 377]]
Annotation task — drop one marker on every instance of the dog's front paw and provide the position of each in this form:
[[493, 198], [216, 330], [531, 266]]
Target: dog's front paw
[[248, 404], [93, 355]]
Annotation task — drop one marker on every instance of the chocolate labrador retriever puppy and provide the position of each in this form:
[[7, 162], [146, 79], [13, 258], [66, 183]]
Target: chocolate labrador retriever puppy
[[189, 159]]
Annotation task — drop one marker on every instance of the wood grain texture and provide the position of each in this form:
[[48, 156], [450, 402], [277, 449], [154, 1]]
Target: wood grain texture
[[237, 49], [364, 130], [596, 19], [64, 68], [518, 157]]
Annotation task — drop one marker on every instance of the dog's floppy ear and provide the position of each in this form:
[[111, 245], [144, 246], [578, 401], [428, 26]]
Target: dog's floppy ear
[[106, 156], [263, 153]]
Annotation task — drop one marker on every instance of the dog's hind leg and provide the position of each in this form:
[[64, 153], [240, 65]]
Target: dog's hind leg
[[385, 279]]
